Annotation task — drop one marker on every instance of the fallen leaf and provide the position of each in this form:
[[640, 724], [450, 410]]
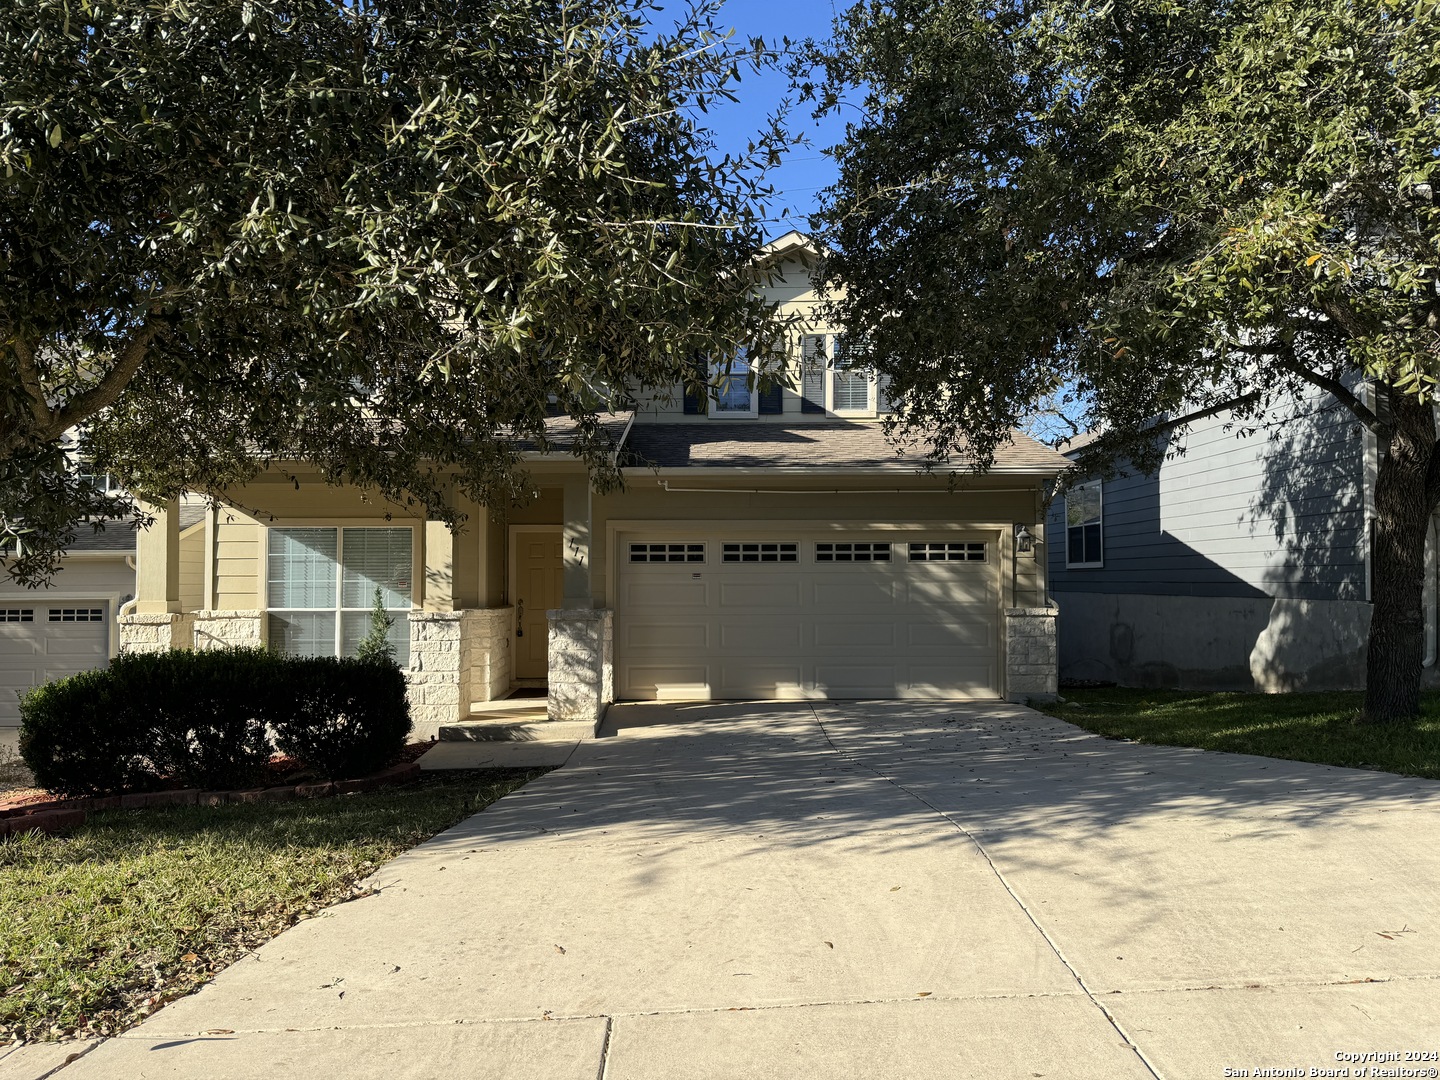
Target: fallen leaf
[[189, 958], [925, 993], [221, 1031], [830, 943], [560, 949], [895, 889]]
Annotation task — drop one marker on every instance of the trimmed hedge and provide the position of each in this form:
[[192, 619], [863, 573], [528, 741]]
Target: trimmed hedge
[[211, 720]]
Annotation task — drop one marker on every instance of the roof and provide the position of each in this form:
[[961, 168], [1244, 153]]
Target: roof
[[561, 432], [119, 536], [831, 445], [1078, 442], [793, 242]]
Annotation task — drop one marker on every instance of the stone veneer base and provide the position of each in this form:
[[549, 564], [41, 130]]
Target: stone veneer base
[[1032, 654]]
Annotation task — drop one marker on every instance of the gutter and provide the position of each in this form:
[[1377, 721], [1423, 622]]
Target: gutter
[[665, 484]]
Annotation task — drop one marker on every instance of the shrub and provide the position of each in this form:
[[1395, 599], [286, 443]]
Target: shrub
[[211, 720], [350, 716]]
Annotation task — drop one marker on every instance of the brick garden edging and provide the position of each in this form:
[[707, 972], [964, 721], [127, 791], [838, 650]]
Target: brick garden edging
[[57, 815]]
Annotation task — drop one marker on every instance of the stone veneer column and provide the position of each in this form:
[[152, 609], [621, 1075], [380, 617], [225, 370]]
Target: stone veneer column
[[456, 657], [228, 629], [491, 661], [439, 677], [151, 632], [582, 663], [1032, 656]]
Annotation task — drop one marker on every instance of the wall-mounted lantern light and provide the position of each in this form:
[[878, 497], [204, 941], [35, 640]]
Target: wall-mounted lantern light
[[1024, 540]]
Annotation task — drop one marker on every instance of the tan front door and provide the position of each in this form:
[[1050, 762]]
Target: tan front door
[[538, 584]]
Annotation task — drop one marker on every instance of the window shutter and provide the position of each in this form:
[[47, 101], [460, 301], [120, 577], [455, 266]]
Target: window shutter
[[695, 403], [812, 373], [771, 401]]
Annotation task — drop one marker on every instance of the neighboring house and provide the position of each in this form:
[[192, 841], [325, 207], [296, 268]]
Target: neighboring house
[[1242, 564], [72, 624], [767, 545]]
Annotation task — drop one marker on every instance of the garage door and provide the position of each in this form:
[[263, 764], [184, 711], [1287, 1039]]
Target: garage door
[[40, 642], [836, 615]]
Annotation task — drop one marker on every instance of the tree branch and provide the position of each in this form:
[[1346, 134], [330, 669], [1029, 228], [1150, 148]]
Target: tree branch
[[1336, 389], [108, 389], [30, 380]]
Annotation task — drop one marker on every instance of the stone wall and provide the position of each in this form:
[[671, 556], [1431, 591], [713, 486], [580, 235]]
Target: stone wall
[[224, 629], [1032, 657], [582, 664], [150, 633]]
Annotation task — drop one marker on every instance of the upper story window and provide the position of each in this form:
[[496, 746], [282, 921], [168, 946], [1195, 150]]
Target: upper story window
[[1084, 525], [734, 386], [830, 382]]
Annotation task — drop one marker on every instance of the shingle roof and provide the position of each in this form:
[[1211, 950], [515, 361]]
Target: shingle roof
[[119, 536], [560, 432], [720, 444]]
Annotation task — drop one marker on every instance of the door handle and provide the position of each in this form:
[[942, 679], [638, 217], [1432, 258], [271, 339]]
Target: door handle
[[519, 618]]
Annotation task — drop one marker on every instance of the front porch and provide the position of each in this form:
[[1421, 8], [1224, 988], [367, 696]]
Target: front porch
[[502, 637]]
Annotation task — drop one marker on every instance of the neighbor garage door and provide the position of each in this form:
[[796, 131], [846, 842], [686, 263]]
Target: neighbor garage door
[[40, 642], [828, 615]]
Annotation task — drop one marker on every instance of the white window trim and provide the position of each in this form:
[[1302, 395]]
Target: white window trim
[[415, 574], [718, 369], [872, 385], [1099, 487]]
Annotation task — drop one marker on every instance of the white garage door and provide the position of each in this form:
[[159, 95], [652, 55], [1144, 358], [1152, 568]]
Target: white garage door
[[40, 642], [834, 615]]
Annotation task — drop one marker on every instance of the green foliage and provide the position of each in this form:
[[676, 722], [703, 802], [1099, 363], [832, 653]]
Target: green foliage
[[210, 720], [375, 645], [376, 237], [1150, 208]]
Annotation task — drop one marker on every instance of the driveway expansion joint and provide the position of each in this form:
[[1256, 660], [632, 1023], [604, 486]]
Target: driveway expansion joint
[[1113, 1021]]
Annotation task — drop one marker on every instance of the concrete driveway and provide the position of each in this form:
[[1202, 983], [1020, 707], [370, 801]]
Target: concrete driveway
[[858, 890]]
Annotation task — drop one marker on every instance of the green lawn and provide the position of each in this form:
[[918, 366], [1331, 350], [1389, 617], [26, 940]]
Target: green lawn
[[100, 928], [1300, 727]]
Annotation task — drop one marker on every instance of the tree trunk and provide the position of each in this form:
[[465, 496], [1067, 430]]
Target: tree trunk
[[1402, 520]]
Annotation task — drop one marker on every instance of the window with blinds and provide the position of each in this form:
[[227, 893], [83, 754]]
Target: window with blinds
[[322, 584], [850, 386]]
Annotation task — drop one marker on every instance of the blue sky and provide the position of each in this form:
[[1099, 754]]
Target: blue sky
[[805, 171]]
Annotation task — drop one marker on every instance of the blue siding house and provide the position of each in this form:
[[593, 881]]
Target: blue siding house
[[1242, 564]]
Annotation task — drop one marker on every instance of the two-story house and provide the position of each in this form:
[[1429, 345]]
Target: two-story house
[[766, 545]]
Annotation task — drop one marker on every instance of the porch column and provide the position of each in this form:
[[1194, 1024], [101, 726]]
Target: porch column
[[156, 623], [459, 653], [582, 673]]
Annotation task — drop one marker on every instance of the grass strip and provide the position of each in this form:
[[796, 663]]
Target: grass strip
[[100, 928], [1318, 728]]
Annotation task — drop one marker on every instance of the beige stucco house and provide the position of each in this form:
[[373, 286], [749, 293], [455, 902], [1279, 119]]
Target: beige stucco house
[[766, 545]]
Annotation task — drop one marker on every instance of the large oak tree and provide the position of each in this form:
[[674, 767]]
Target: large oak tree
[[1164, 209], [385, 237]]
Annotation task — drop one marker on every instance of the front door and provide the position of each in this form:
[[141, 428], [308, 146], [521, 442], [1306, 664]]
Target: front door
[[537, 585]]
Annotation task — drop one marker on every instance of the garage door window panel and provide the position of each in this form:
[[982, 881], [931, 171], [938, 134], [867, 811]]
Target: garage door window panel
[[17, 614], [760, 551], [667, 553], [852, 552], [949, 551]]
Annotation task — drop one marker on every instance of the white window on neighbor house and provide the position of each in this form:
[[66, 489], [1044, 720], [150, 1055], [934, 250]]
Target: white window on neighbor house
[[1084, 526], [734, 386], [321, 582]]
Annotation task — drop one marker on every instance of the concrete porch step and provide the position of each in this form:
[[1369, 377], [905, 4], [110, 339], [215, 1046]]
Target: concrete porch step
[[528, 727]]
